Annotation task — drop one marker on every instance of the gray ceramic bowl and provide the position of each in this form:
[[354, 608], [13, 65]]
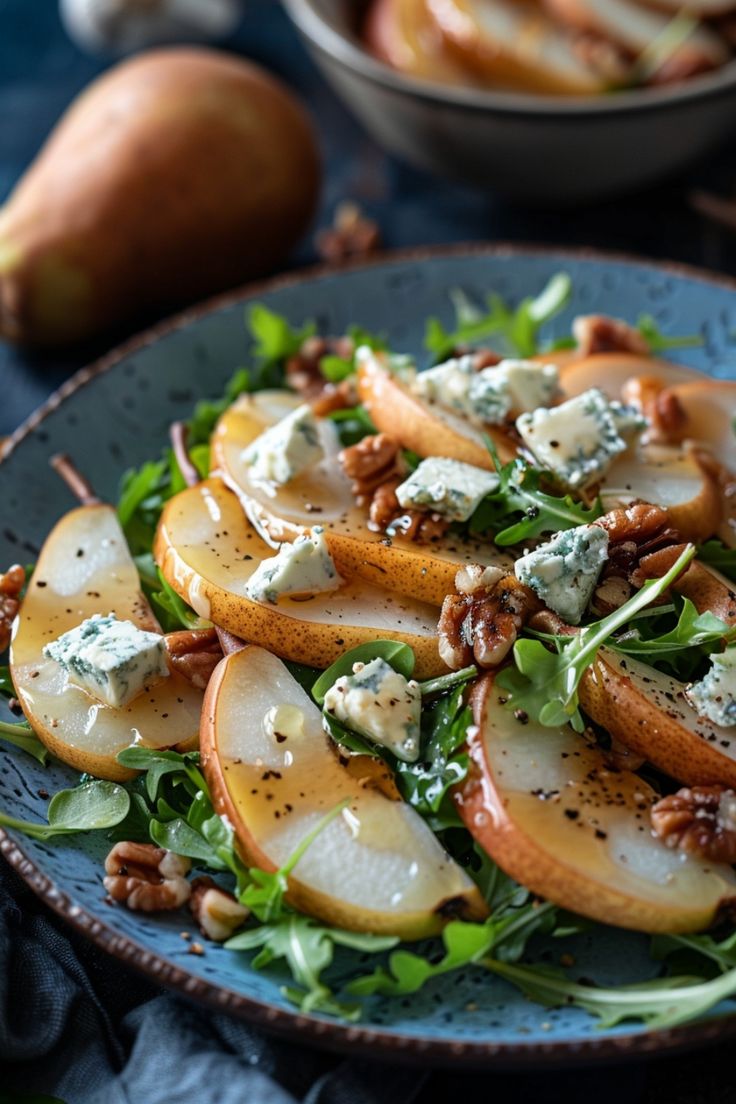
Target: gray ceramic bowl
[[535, 148]]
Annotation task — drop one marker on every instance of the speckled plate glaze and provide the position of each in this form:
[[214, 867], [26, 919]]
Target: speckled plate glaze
[[117, 414]]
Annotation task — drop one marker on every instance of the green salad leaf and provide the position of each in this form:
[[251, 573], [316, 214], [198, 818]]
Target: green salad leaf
[[544, 683], [88, 807], [517, 329], [716, 554], [22, 736], [398, 655]]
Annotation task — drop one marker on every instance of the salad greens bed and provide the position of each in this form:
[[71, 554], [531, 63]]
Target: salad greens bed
[[169, 802]]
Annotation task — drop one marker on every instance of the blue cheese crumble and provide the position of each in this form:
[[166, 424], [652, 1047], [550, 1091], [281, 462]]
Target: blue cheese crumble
[[488, 397], [377, 702], [714, 696], [577, 440], [287, 448], [447, 487], [111, 660], [564, 571], [298, 570]]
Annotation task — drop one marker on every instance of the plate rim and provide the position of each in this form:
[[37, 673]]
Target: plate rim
[[335, 1035]]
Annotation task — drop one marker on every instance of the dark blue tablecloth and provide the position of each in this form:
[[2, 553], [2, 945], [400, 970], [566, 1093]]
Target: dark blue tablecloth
[[73, 1023]]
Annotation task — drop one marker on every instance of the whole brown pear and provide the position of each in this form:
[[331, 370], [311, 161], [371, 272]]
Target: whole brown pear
[[173, 176]]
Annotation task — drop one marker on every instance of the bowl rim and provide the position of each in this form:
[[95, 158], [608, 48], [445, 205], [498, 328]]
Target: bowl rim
[[341, 49], [363, 1039]]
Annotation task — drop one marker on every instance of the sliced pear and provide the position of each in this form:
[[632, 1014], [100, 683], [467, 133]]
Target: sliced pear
[[322, 496], [401, 33], [514, 45], [634, 26], [424, 427], [554, 813], [710, 410], [207, 551], [648, 711], [84, 568], [610, 371], [377, 867], [676, 479]]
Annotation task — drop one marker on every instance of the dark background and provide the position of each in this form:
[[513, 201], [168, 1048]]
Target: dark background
[[74, 1022]]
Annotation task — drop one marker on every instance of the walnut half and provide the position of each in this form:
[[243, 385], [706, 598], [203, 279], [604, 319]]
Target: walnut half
[[12, 582], [146, 878], [482, 621], [194, 653], [700, 820], [217, 912]]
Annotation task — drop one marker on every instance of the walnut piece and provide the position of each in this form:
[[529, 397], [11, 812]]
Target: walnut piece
[[194, 653], [12, 582], [351, 235], [660, 405], [376, 468], [700, 820], [481, 624], [598, 333], [303, 374], [634, 531], [217, 913], [146, 878]]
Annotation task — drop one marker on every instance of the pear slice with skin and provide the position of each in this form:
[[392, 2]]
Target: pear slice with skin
[[85, 568], [322, 495], [425, 427], [678, 479], [376, 867], [207, 551], [514, 45], [556, 815], [611, 371], [648, 712], [401, 33]]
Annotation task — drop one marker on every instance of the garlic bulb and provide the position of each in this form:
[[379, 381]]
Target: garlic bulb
[[122, 26]]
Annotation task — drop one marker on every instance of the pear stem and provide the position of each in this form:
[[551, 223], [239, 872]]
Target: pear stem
[[77, 483], [178, 436]]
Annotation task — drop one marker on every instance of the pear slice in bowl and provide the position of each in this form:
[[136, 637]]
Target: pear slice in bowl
[[679, 479], [85, 568], [551, 810], [322, 495], [425, 427], [207, 551], [376, 867], [610, 371], [648, 712]]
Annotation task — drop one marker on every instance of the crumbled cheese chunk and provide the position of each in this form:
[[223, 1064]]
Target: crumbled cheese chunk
[[564, 571], [530, 384], [112, 660], [714, 696], [628, 419], [488, 397], [287, 448], [297, 570], [446, 487], [380, 704], [576, 440]]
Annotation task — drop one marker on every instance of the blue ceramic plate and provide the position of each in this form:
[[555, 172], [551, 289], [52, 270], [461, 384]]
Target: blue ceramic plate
[[117, 414]]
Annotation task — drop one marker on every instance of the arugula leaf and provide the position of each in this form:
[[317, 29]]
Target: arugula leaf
[[172, 611], [443, 761], [89, 807], [518, 330], [693, 634], [442, 684], [399, 656], [308, 950], [519, 492], [7, 690], [663, 1002], [335, 369], [353, 424], [22, 736], [544, 683], [720, 953], [659, 342], [274, 338]]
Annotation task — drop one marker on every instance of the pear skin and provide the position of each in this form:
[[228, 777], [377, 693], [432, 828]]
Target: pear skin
[[175, 175]]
